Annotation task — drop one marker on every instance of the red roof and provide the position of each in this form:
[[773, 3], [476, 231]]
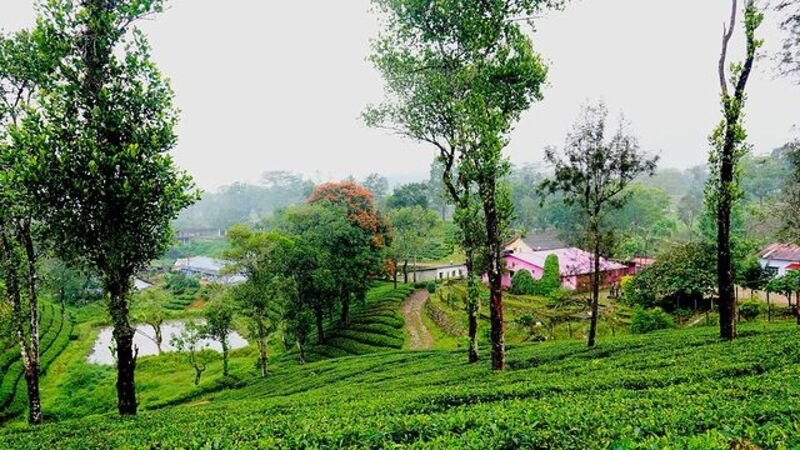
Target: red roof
[[781, 252], [793, 266]]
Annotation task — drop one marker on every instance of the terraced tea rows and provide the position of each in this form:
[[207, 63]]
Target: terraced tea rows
[[676, 389], [375, 326], [55, 336]]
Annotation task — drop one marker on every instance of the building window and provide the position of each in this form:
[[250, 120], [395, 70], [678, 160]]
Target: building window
[[772, 270]]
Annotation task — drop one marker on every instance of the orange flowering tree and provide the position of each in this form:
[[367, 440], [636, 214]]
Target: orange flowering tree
[[357, 260]]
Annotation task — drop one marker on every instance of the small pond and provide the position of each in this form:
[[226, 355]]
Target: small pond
[[101, 353]]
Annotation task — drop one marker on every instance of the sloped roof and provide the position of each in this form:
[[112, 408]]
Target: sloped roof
[[543, 240], [781, 252], [201, 264], [571, 260]]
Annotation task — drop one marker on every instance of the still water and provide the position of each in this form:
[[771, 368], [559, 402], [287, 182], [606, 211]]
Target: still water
[[144, 339]]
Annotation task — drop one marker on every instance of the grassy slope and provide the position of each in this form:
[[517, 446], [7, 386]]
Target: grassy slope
[[686, 388]]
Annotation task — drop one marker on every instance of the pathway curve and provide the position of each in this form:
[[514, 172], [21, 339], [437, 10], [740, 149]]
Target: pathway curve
[[421, 338]]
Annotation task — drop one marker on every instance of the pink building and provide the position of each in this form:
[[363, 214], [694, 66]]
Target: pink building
[[575, 265]]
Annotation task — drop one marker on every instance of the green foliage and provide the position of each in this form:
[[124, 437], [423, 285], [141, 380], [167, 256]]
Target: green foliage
[[681, 275], [647, 320], [179, 282], [219, 325], [551, 278], [414, 229], [431, 287], [662, 385], [409, 196], [189, 343], [375, 326], [214, 248], [750, 310], [522, 283], [55, 336]]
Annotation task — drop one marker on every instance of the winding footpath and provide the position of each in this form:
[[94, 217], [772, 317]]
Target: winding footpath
[[421, 338]]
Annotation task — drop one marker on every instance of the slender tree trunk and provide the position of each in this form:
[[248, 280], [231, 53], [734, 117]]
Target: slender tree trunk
[[225, 357], [345, 310], [473, 307], [318, 313], [262, 348], [394, 273], [34, 402], [197, 374], [414, 269], [595, 282], [769, 309], [494, 247], [123, 337], [727, 301], [302, 350], [405, 271], [159, 338], [62, 299], [732, 109], [28, 340], [32, 365]]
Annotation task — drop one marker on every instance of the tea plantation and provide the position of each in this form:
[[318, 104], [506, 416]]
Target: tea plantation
[[674, 389], [55, 336]]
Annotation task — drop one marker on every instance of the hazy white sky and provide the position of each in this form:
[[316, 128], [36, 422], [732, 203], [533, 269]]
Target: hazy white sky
[[279, 85]]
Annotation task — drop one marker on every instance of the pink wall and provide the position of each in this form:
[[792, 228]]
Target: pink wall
[[514, 264]]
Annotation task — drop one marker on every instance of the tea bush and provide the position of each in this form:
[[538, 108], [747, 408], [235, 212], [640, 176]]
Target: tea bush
[[647, 320], [676, 389]]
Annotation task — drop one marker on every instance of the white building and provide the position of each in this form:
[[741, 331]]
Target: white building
[[207, 269], [780, 258]]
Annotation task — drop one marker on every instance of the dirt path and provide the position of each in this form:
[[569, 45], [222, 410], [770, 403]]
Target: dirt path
[[421, 338]]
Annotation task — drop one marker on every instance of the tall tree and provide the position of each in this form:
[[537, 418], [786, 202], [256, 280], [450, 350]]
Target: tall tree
[[409, 195], [412, 228], [437, 191], [149, 308], [593, 175], [359, 250], [727, 148], [219, 325], [790, 203], [264, 259], [458, 76], [107, 184], [377, 185], [27, 65]]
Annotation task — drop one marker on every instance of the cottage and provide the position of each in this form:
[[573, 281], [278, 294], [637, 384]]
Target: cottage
[[441, 272], [207, 269], [780, 258], [575, 265]]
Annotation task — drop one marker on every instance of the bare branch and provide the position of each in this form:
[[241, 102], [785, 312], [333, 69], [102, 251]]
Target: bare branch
[[727, 34]]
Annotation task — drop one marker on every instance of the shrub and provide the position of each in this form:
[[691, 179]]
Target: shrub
[[432, 287], [750, 310], [551, 279], [647, 320], [523, 283]]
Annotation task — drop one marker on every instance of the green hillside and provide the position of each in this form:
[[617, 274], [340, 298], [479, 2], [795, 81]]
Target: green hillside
[[684, 389], [376, 325]]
